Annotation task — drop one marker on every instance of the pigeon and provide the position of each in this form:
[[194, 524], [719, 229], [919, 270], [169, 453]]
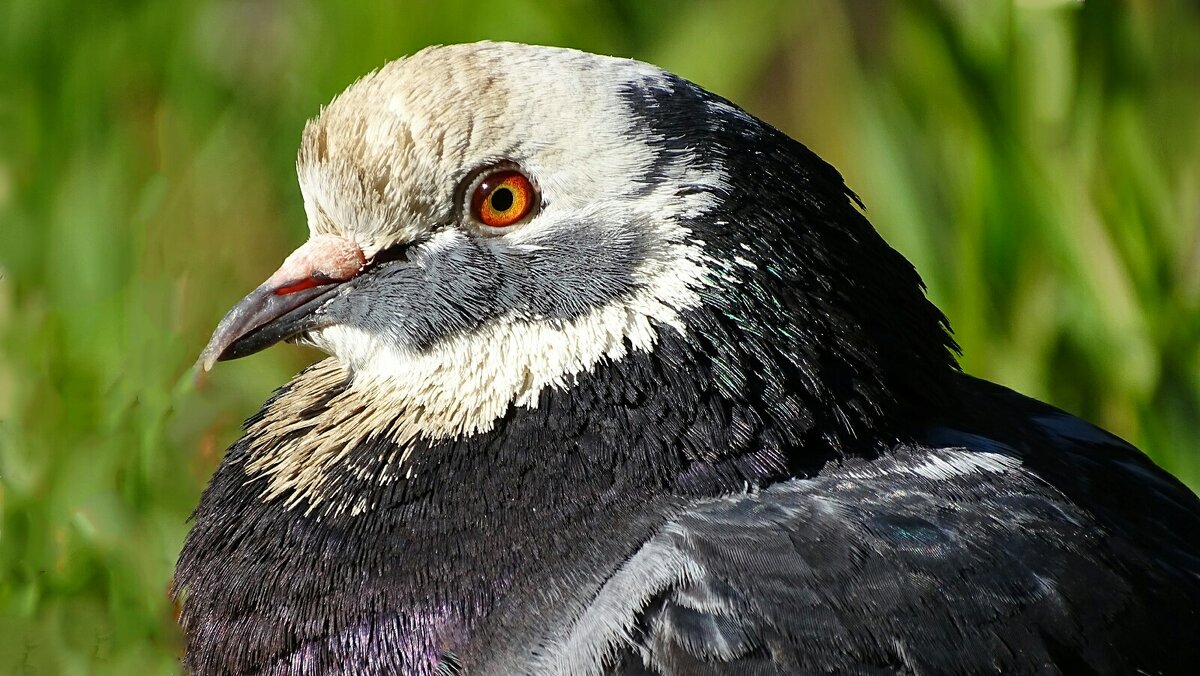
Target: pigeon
[[622, 381]]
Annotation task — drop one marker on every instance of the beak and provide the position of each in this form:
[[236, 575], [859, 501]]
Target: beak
[[284, 305]]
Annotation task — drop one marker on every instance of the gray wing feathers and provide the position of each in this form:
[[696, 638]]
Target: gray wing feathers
[[957, 561]]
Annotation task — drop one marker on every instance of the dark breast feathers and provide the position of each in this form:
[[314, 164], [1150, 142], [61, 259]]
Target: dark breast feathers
[[975, 551]]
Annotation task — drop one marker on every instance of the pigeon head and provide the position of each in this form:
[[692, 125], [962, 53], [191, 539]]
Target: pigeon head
[[490, 223]]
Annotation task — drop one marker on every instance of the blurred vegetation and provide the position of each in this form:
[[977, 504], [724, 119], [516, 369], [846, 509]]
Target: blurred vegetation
[[1039, 162]]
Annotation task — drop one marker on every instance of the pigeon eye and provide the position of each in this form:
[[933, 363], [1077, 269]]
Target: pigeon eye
[[502, 198]]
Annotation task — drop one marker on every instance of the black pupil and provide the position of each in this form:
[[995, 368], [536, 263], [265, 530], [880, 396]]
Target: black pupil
[[502, 199]]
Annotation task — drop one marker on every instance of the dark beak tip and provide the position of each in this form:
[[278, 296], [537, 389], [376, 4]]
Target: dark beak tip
[[207, 358], [240, 320], [260, 320]]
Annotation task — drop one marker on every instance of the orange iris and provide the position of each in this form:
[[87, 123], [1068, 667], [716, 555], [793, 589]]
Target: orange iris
[[503, 198]]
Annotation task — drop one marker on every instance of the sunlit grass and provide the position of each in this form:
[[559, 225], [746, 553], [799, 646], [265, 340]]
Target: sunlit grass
[[1040, 163]]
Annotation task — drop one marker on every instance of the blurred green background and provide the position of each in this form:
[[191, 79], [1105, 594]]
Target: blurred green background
[[1039, 162]]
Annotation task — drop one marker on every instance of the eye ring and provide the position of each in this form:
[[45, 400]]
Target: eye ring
[[502, 197]]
